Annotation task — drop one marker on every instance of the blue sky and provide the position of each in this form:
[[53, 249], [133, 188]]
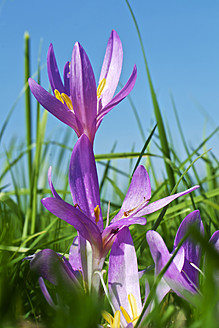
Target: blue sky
[[181, 43]]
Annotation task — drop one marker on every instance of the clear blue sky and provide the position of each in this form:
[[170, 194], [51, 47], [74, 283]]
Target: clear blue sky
[[181, 43]]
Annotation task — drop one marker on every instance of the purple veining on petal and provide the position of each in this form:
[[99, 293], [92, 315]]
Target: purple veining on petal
[[191, 248], [119, 97], [138, 194], [76, 218], [66, 75], [83, 91], [123, 272], [83, 179], [155, 206], [173, 277], [111, 68], [75, 256], [53, 105], [53, 71]]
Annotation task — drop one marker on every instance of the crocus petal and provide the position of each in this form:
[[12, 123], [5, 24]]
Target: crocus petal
[[191, 248], [53, 105], [54, 192], [138, 194], [46, 293], [173, 277], [112, 66], [119, 97], [214, 240], [157, 205], [66, 75], [52, 267], [53, 71], [123, 272], [76, 218], [83, 91], [83, 179], [109, 234], [74, 255]]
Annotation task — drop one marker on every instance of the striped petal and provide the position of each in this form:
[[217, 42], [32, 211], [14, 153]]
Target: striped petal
[[83, 92], [112, 66], [123, 277], [138, 194], [76, 218], [53, 105], [83, 180]]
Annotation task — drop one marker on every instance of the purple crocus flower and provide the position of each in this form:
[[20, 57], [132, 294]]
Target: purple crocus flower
[[182, 274], [86, 216], [78, 102]]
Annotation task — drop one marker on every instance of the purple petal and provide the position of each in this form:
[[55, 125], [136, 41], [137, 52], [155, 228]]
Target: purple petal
[[52, 267], [54, 192], [123, 272], [74, 255], [83, 179], [173, 277], [53, 71], [46, 293], [119, 97], [157, 205], [67, 78], [214, 240], [192, 249], [53, 105], [112, 66], [138, 194], [83, 92], [76, 218], [110, 232]]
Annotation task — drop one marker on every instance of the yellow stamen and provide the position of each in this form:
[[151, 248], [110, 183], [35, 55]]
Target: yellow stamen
[[126, 315], [133, 305], [97, 214], [58, 95], [63, 98], [116, 320], [108, 317], [100, 87], [67, 100]]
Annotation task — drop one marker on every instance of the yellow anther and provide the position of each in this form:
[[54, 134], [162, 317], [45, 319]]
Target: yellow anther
[[67, 100], [63, 98], [126, 315], [133, 305], [114, 322], [108, 317], [58, 95], [97, 214], [101, 87], [134, 310]]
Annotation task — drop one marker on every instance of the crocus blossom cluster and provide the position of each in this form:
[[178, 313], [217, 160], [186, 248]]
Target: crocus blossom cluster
[[181, 277], [82, 105]]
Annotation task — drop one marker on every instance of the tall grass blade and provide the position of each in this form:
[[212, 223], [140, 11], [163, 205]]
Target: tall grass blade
[[161, 128]]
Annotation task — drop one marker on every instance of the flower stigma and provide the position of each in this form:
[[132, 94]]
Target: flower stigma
[[64, 99]]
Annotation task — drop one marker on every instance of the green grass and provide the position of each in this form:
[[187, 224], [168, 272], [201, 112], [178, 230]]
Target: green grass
[[26, 226]]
